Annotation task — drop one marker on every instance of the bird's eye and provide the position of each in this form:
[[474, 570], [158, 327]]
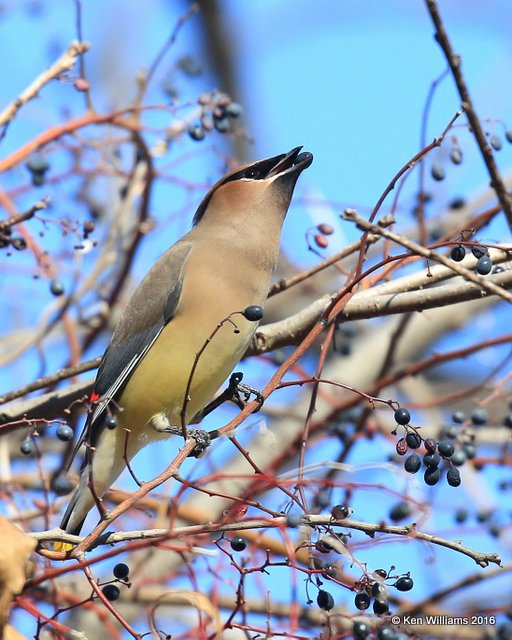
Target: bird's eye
[[251, 173]]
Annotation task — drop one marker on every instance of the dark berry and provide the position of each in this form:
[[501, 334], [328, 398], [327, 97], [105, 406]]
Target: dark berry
[[508, 135], [380, 607], [234, 110], [360, 630], [37, 164], [402, 416], [457, 203], [56, 287], [323, 547], [379, 591], [459, 457], [404, 583], [461, 516], [386, 633], [479, 417], [121, 571], [61, 485], [27, 447], [469, 450], [459, 417], [413, 440], [431, 476], [484, 515], [65, 432], [340, 511], [478, 250], [222, 124], [457, 253], [89, 226], [496, 143], [330, 571], [401, 447], [19, 243], [413, 463], [238, 543], [253, 313], [456, 155], [453, 477], [437, 172], [322, 499], [430, 445], [293, 520], [196, 132], [432, 460], [325, 600], [400, 511], [362, 600], [446, 448], [483, 265], [111, 422], [111, 592], [451, 431]]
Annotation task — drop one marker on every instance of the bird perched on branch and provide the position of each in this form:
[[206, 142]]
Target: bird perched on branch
[[161, 368]]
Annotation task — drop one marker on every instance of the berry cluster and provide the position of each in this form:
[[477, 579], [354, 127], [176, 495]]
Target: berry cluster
[[378, 591], [437, 170], [483, 264], [218, 111], [111, 591], [8, 240], [435, 452]]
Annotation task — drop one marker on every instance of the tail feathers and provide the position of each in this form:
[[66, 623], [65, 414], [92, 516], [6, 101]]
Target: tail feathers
[[68, 524]]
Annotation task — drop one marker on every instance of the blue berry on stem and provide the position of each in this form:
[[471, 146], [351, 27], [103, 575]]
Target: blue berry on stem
[[253, 313], [27, 447], [446, 448], [64, 432], [61, 485], [413, 440], [483, 265], [325, 600], [238, 543], [362, 600], [453, 477], [404, 583], [121, 571], [432, 475], [402, 416], [380, 607], [457, 253], [111, 592], [412, 463], [479, 417], [360, 630]]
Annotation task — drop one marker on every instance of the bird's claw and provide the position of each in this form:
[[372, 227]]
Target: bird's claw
[[202, 439]]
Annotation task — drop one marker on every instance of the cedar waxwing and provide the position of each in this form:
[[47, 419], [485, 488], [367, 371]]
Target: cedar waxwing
[[222, 266]]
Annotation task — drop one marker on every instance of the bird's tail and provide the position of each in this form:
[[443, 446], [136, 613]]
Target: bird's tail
[[69, 522]]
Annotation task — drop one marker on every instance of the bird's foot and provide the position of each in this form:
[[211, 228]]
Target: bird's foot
[[202, 439], [235, 392], [160, 422]]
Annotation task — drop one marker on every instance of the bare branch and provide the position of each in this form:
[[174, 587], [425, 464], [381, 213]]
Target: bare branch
[[66, 61]]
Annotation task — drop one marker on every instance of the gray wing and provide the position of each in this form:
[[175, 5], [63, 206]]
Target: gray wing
[[152, 306]]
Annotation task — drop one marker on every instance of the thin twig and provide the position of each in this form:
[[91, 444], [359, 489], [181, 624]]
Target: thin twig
[[429, 254], [455, 64], [66, 61], [408, 530]]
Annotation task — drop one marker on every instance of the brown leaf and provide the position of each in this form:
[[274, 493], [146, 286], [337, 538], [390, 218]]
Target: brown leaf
[[15, 550]]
